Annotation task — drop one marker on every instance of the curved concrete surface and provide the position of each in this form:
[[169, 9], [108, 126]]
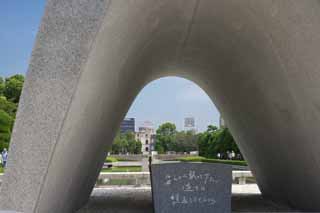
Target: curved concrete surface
[[257, 60]]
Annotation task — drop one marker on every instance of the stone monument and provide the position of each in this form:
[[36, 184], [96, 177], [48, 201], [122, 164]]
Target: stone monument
[[257, 60], [191, 187]]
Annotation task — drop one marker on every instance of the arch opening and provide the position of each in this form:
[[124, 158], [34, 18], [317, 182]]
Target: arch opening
[[169, 99]]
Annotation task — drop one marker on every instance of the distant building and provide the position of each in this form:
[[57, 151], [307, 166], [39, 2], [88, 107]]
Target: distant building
[[189, 124], [147, 138], [127, 125]]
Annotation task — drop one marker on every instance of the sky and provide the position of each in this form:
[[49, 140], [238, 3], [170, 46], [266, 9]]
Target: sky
[[168, 99]]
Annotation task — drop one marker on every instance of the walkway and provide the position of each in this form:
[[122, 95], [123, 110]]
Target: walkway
[[245, 198]]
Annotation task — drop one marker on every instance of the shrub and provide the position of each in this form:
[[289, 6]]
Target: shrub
[[232, 162], [192, 159], [208, 160]]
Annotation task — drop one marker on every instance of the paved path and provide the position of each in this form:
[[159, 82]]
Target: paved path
[[245, 198]]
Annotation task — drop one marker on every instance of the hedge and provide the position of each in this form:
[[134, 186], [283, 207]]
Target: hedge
[[207, 160]]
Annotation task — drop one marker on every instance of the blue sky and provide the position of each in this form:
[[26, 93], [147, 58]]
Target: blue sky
[[167, 99], [19, 22], [172, 99]]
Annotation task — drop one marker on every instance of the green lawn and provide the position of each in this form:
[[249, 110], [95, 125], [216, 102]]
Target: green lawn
[[123, 169], [116, 159], [110, 160], [124, 182]]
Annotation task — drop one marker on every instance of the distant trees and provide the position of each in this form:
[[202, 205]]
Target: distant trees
[[169, 139], [186, 141], [208, 143], [13, 87], [8, 106], [2, 86], [214, 141], [6, 122], [126, 143], [165, 137], [10, 91]]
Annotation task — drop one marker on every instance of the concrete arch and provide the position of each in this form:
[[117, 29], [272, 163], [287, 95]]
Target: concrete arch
[[258, 61]]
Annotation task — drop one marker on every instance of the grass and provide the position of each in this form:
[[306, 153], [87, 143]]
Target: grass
[[208, 160], [123, 169], [116, 159], [117, 182], [110, 160], [123, 159], [120, 182]]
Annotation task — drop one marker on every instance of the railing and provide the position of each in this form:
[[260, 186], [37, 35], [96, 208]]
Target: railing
[[241, 176], [138, 157]]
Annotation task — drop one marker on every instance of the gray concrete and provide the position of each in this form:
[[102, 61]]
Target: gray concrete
[[138, 200], [138, 178], [9, 212], [145, 165], [257, 60]]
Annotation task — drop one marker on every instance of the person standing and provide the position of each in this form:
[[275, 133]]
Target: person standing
[[233, 154], [4, 155], [1, 162]]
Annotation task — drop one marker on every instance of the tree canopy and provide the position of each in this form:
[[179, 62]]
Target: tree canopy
[[208, 143], [2, 86], [169, 139], [10, 91], [165, 137], [214, 141], [13, 87], [5, 129], [126, 143]]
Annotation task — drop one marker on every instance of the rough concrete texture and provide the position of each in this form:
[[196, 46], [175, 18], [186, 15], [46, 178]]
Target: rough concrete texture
[[257, 60]]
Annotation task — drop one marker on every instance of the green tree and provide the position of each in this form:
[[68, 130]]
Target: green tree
[[165, 137], [207, 141], [13, 87], [214, 141], [126, 143], [8, 106], [133, 146], [186, 141], [226, 142], [2, 86], [10, 91], [5, 129], [116, 145], [138, 147]]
